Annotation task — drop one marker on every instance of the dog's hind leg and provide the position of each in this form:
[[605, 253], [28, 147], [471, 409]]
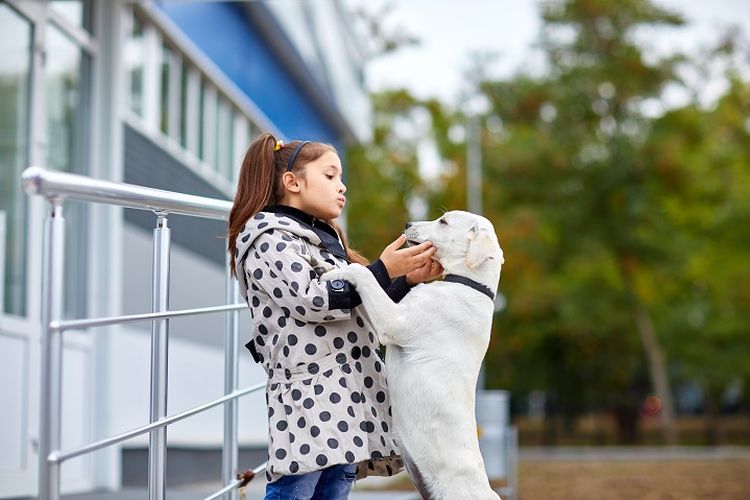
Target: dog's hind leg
[[416, 476]]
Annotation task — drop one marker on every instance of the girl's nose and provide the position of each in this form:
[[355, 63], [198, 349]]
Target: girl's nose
[[342, 188]]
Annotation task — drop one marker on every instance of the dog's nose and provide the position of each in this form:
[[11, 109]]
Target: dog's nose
[[407, 225]]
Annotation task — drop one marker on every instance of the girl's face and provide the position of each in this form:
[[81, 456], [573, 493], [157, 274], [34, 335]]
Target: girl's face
[[322, 191]]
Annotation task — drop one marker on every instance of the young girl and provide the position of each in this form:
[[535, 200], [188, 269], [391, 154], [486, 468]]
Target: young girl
[[328, 408]]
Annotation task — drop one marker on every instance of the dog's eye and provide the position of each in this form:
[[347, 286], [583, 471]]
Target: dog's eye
[[443, 221]]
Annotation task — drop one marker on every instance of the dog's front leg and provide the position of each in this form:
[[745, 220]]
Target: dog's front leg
[[385, 315]]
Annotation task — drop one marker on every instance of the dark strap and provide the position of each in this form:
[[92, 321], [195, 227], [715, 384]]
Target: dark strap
[[454, 278], [290, 165]]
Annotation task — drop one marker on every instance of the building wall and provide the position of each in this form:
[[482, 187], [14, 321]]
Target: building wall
[[222, 32], [163, 95], [320, 31], [148, 164], [196, 359]]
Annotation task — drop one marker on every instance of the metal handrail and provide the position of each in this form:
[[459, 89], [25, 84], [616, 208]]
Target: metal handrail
[[57, 187], [235, 484], [226, 489], [61, 185], [82, 324], [61, 456]]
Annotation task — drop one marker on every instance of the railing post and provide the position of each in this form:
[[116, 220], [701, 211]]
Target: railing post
[[512, 472], [229, 450], [157, 446], [51, 369], [3, 231]]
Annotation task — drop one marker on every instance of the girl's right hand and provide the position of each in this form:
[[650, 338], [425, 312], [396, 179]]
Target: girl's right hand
[[399, 262]]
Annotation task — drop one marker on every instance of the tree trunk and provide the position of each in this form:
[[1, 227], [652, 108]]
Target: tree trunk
[[657, 369], [713, 402], [626, 418]]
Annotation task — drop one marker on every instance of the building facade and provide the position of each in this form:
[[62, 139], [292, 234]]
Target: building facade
[[160, 94]]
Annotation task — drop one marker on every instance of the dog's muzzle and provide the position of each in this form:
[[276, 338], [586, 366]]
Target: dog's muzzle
[[412, 237]]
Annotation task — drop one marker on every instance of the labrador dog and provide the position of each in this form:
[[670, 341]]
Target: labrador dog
[[436, 338]]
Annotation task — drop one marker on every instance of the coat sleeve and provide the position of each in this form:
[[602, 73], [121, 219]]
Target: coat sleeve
[[398, 289], [395, 289], [280, 265]]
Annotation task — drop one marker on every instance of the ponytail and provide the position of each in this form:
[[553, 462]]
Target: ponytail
[[255, 189]]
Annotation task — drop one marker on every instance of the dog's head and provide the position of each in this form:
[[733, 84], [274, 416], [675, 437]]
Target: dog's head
[[465, 244]]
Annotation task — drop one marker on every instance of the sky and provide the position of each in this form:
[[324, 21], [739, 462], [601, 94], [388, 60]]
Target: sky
[[450, 30]]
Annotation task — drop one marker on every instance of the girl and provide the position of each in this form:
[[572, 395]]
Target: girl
[[328, 408]]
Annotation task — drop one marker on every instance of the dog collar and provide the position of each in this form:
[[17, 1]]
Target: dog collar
[[454, 278]]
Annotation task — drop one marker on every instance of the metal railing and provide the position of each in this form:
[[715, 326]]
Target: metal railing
[[57, 187]]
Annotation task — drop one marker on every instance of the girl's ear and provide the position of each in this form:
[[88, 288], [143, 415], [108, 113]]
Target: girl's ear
[[291, 182]]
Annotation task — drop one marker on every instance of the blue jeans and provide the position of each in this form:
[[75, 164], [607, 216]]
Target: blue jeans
[[332, 483]]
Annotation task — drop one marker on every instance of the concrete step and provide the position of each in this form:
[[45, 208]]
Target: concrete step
[[255, 494]]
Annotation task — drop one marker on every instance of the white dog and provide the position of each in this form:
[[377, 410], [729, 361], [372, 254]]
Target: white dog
[[436, 338]]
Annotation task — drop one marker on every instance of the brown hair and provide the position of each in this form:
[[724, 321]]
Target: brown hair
[[260, 185]]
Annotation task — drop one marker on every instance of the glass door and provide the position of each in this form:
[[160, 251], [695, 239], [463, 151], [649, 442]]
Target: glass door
[[17, 355], [45, 75]]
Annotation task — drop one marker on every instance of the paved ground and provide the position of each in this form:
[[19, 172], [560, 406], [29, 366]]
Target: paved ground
[[362, 489], [254, 491], [528, 454], [135, 494]]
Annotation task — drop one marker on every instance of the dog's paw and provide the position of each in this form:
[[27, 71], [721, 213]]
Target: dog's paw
[[349, 273], [341, 273]]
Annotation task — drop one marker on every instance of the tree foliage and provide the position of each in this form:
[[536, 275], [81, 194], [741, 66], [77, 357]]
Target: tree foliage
[[624, 229], [385, 173]]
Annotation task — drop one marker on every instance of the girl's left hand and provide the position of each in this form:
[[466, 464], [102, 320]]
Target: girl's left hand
[[429, 271]]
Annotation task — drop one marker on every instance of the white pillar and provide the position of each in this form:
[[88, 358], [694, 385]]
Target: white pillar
[[493, 419], [105, 235]]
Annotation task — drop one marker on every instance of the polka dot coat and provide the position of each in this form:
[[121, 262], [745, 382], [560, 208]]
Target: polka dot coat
[[326, 390]]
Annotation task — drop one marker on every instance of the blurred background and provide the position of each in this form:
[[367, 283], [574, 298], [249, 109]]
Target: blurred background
[[608, 141], [612, 144], [614, 165]]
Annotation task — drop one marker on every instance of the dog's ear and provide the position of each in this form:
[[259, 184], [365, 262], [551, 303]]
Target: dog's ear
[[481, 246]]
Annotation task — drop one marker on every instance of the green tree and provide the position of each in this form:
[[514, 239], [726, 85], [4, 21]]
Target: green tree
[[567, 180], [704, 155], [621, 229], [573, 161], [384, 175]]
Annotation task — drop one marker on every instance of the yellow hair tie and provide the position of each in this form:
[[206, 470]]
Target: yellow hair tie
[[279, 145]]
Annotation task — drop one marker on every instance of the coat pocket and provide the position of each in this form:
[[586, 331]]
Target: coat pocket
[[318, 420]]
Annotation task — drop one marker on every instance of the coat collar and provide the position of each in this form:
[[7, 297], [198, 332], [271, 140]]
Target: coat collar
[[288, 219], [329, 238]]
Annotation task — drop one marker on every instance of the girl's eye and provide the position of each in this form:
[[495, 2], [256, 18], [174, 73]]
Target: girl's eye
[[329, 176]]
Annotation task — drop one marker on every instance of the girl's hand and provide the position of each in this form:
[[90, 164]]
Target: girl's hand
[[399, 262], [429, 271]]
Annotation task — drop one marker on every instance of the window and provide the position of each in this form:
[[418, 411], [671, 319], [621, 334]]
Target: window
[[171, 95], [65, 111], [166, 56], [184, 86], [241, 142], [224, 139], [15, 69], [208, 123], [76, 12], [66, 85], [134, 57]]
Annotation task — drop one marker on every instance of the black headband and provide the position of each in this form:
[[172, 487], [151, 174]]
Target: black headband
[[294, 155]]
